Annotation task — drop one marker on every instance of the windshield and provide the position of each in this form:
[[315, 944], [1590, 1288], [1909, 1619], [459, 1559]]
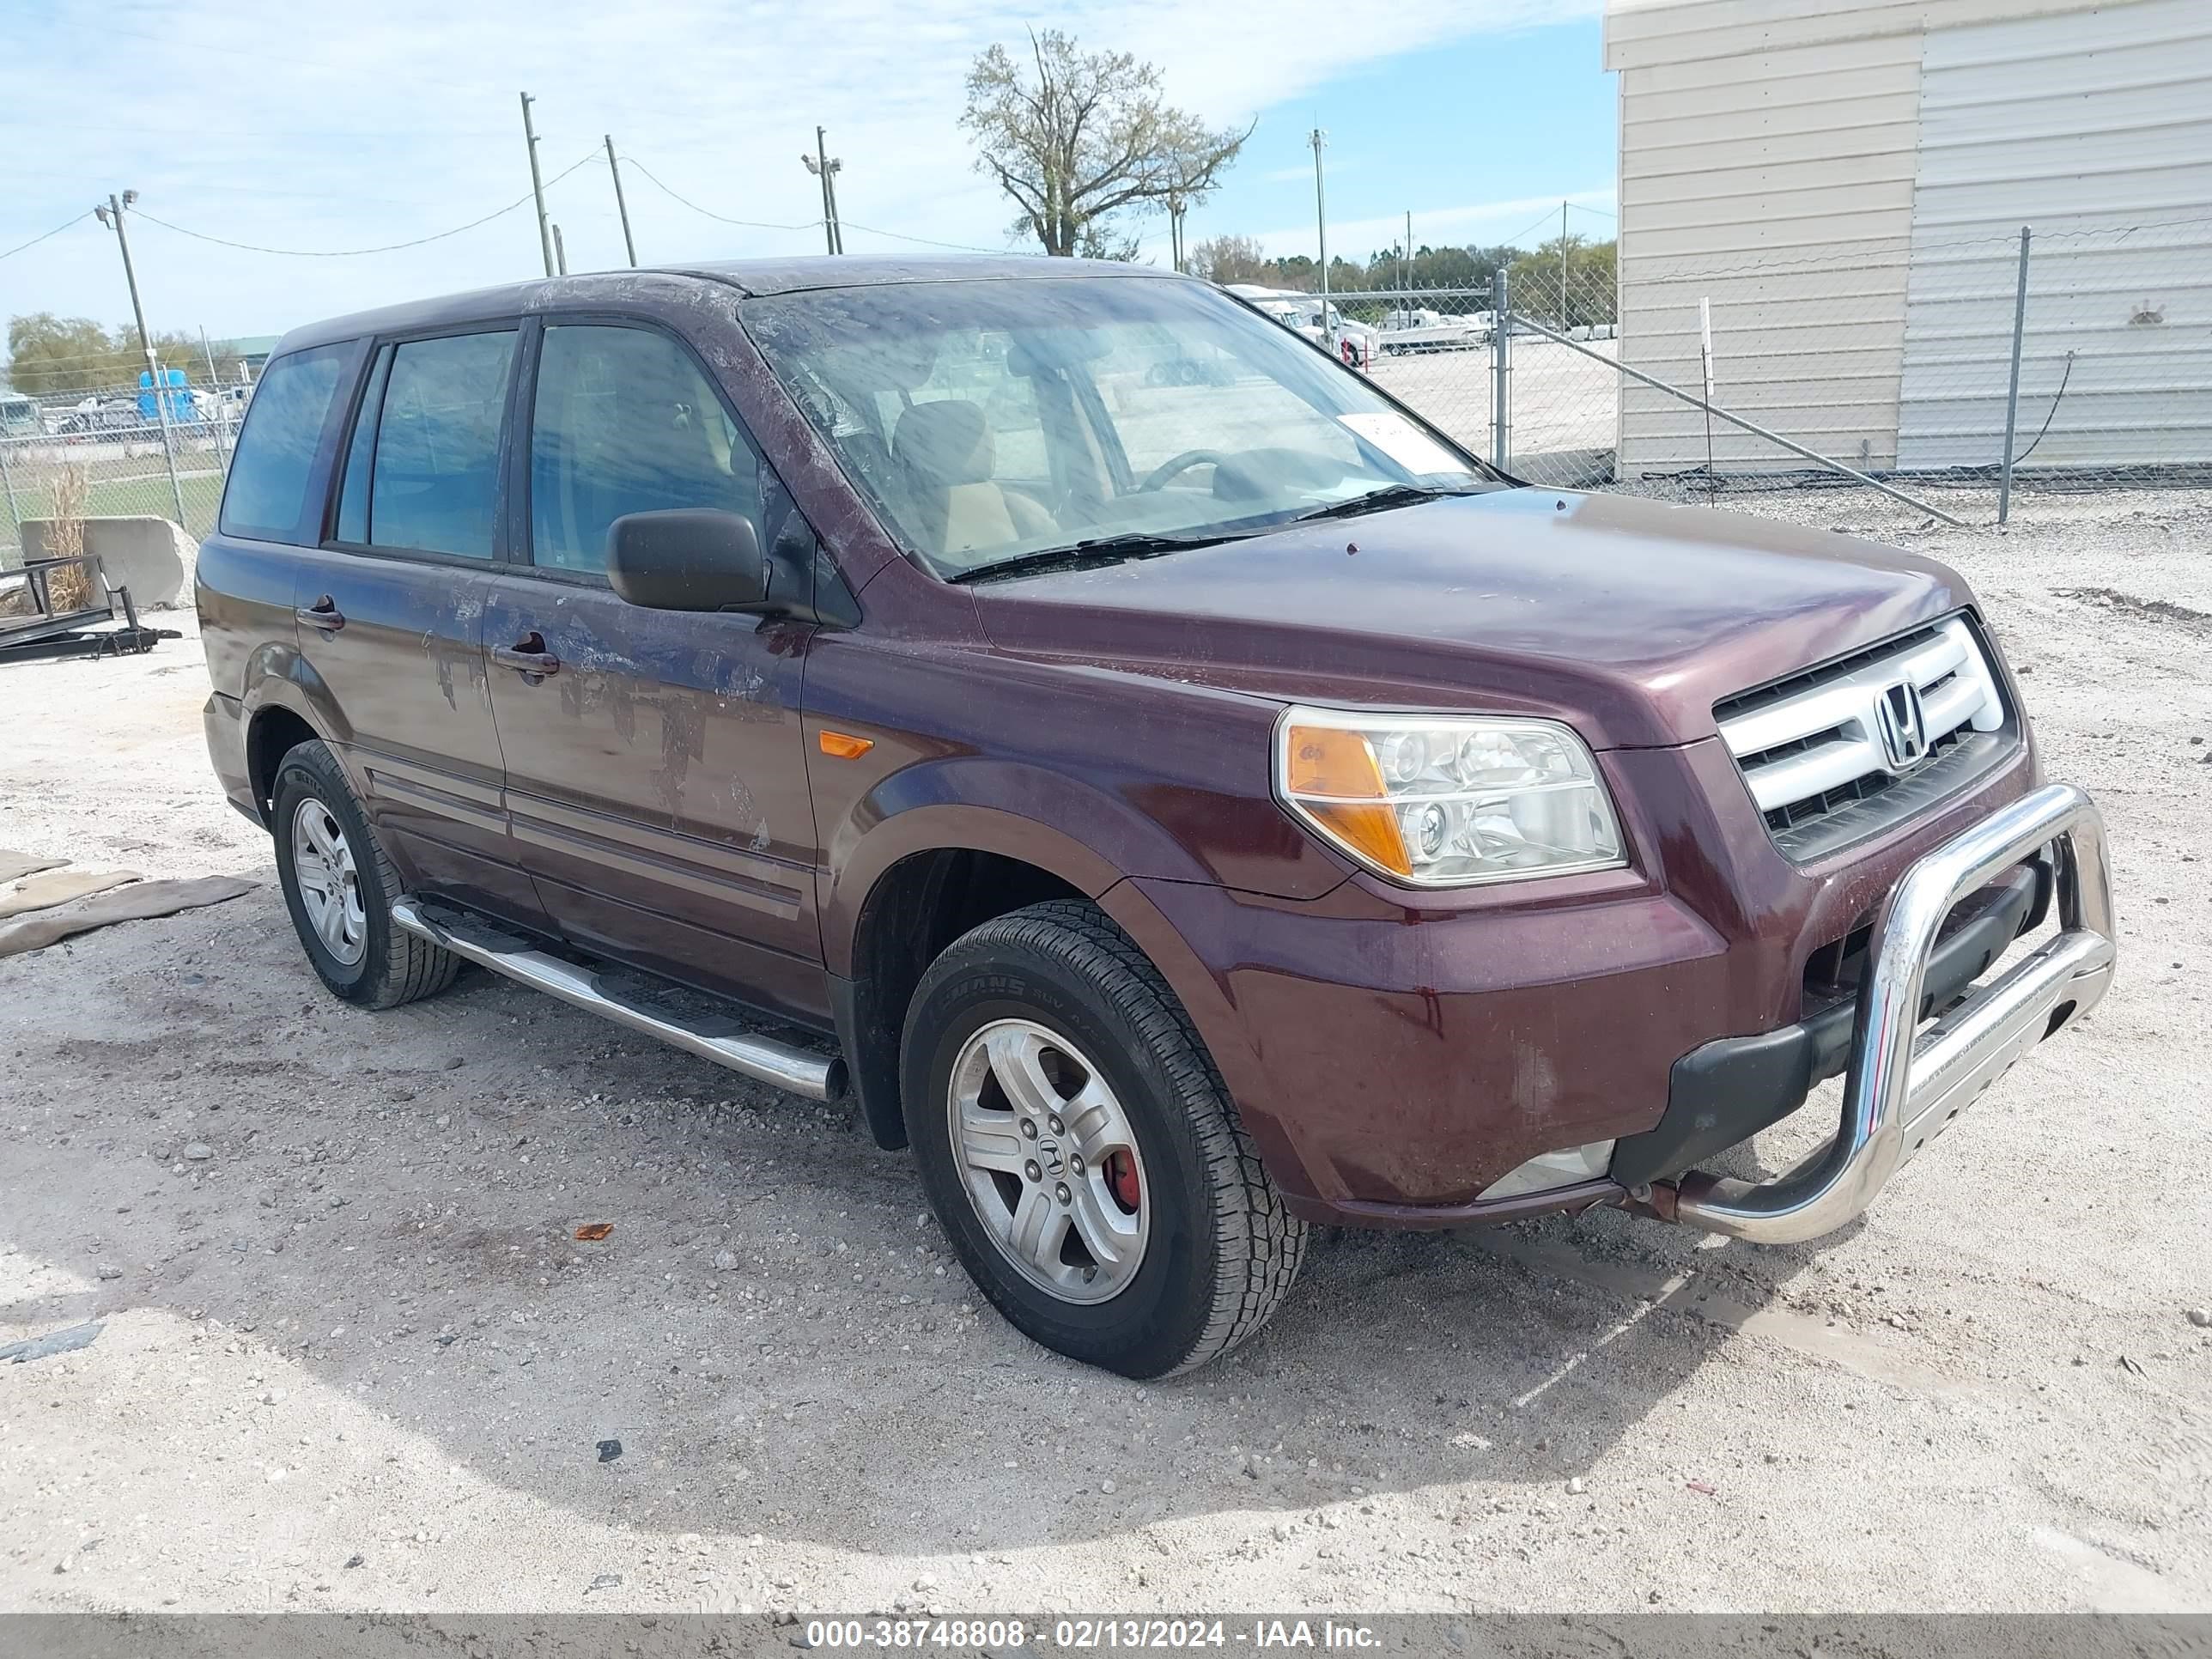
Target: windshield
[[992, 420]]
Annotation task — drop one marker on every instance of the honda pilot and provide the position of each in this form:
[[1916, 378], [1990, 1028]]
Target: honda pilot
[[1162, 780]]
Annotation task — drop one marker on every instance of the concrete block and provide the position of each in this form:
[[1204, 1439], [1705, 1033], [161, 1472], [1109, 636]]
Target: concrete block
[[152, 557]]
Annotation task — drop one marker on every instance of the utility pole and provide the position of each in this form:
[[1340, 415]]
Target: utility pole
[[1176, 209], [2012, 390], [836, 221], [620, 206], [1563, 265], [223, 445], [1407, 264], [825, 167], [111, 216], [1317, 138], [560, 252], [537, 186]]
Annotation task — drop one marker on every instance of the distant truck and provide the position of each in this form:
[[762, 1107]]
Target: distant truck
[[1409, 328], [1356, 343], [175, 394], [19, 417]]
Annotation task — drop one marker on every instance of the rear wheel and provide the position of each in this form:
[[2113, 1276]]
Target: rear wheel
[[1081, 1150], [339, 888]]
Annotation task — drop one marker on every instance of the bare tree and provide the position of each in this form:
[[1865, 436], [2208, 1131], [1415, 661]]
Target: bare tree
[[1075, 138]]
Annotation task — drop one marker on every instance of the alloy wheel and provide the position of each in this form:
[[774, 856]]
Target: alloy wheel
[[1048, 1159], [329, 884]]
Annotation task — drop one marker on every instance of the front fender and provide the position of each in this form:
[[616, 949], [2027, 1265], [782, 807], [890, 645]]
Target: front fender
[[979, 804], [1002, 807]]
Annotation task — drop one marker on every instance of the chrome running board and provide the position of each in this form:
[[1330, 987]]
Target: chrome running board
[[765, 1059]]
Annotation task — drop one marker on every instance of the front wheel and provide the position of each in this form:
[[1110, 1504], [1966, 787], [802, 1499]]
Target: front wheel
[[1080, 1150]]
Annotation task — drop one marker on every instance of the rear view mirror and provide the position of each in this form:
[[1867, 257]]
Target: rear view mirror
[[687, 558]]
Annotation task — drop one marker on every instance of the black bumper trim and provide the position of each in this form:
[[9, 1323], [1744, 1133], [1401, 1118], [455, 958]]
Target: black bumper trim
[[1730, 1090]]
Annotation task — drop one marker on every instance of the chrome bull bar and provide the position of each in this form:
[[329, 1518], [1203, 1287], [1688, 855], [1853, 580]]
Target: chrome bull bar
[[1906, 1084]]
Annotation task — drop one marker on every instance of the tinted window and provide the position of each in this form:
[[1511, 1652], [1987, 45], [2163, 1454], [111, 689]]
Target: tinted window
[[353, 494], [626, 423], [267, 495], [435, 482]]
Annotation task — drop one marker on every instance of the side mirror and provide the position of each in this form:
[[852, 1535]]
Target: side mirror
[[687, 558]]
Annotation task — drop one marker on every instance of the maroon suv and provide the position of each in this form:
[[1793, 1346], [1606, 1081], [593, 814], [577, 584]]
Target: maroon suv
[[1166, 781]]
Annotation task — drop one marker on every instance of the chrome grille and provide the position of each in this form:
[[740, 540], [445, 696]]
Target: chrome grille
[[1815, 753]]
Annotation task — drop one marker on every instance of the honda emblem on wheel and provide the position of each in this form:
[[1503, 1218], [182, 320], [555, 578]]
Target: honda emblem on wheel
[[1903, 725]]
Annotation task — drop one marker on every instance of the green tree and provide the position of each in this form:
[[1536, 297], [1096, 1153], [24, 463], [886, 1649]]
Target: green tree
[[1075, 139], [1582, 291], [49, 353], [46, 353]]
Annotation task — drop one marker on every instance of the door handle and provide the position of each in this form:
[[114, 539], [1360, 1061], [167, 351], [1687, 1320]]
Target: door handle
[[324, 613], [527, 655]]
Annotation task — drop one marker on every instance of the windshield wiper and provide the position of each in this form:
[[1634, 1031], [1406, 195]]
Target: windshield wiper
[[1087, 555], [1378, 501]]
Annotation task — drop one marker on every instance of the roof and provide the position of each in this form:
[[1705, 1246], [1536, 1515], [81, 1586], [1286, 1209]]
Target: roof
[[750, 277]]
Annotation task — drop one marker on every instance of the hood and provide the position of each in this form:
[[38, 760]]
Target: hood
[[1630, 618]]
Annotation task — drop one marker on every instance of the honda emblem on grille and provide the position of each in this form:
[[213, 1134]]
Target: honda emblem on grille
[[1903, 726]]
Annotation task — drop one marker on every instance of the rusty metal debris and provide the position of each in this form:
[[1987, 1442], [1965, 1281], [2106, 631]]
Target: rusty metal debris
[[66, 607]]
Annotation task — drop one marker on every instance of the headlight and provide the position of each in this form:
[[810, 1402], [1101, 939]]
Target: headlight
[[1446, 800]]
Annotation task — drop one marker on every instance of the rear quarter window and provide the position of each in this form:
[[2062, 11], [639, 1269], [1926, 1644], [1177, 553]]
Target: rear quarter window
[[266, 499]]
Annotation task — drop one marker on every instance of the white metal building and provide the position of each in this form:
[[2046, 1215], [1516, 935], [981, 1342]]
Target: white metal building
[[1845, 181]]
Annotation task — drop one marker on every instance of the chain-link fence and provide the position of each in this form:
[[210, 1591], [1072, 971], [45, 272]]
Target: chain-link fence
[[1918, 365], [115, 451], [2083, 356]]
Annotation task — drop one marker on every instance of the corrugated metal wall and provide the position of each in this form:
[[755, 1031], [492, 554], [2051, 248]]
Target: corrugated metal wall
[[1750, 179], [2095, 128], [1843, 179]]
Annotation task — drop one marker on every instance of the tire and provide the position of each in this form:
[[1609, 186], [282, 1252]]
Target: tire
[[1214, 1251], [362, 958]]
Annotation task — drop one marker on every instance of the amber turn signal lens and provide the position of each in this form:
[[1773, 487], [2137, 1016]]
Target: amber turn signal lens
[[1331, 773], [843, 745]]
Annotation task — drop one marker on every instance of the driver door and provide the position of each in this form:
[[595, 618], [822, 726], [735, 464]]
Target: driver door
[[656, 787]]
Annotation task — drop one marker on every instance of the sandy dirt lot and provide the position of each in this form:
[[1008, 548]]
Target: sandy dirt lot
[[354, 1359]]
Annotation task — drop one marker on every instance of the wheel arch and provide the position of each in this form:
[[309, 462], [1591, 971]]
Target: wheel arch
[[272, 732], [922, 878]]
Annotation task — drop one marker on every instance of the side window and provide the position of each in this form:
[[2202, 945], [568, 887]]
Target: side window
[[266, 498], [624, 422], [353, 490], [434, 482]]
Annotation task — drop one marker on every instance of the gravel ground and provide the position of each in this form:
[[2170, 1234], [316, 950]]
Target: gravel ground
[[354, 1359]]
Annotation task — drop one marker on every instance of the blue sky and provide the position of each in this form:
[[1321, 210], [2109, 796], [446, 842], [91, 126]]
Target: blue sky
[[297, 127], [1478, 138]]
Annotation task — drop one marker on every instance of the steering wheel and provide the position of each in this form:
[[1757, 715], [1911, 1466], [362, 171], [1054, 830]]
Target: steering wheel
[[1174, 466]]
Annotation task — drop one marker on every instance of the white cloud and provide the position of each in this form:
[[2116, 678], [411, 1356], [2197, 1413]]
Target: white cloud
[[305, 126]]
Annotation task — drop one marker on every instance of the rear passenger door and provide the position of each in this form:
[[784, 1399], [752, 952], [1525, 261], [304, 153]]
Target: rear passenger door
[[656, 782], [391, 611]]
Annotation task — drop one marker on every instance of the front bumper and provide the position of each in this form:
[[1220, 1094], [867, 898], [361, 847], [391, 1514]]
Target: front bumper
[[1730, 1089], [1392, 1064], [1907, 1084]]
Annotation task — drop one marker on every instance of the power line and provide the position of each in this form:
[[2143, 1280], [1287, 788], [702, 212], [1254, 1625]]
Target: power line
[[807, 224], [56, 231], [746, 224], [389, 247], [898, 236]]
